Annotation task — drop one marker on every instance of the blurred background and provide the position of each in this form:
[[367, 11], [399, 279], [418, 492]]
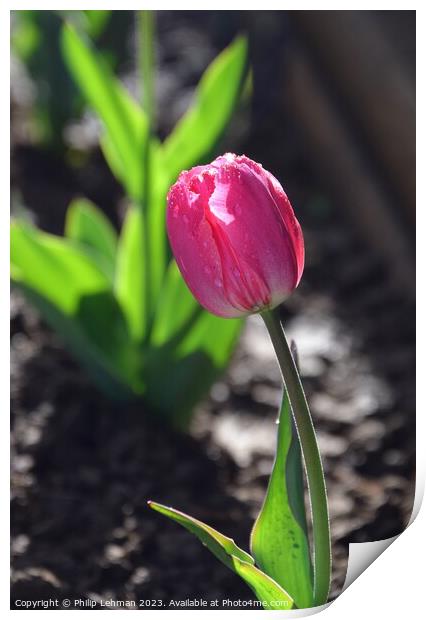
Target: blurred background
[[332, 115]]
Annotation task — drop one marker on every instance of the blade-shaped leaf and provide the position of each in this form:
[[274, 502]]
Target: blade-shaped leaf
[[53, 267], [268, 591], [181, 321], [155, 217], [189, 346], [124, 121], [97, 21], [195, 136], [103, 350], [130, 285], [221, 546], [176, 311], [225, 549], [214, 336], [74, 297], [87, 225], [279, 540]]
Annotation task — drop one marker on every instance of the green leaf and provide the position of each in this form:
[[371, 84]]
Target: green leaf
[[97, 21], [126, 127], [240, 562], [268, 591], [195, 136], [180, 320], [176, 311], [130, 284], [221, 546], [88, 226], [188, 345], [213, 335], [53, 267], [154, 214], [25, 35], [95, 335], [279, 540], [73, 296]]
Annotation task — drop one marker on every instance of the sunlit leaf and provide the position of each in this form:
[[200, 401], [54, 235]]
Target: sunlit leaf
[[213, 335], [190, 346], [225, 549], [25, 34], [155, 217], [53, 267], [124, 121], [195, 136], [73, 296], [279, 540], [221, 546], [96, 21], [176, 310], [130, 284], [268, 591], [87, 225]]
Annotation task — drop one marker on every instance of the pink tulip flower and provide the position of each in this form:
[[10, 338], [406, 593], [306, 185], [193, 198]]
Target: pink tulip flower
[[235, 237]]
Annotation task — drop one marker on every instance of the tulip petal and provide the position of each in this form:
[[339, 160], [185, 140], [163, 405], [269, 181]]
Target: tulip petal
[[195, 250], [254, 231]]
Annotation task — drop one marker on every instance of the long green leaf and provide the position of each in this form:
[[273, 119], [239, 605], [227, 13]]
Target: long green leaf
[[73, 296], [53, 267], [188, 345], [97, 21], [155, 217], [88, 226], [124, 145], [130, 287], [195, 136], [155, 255], [95, 335], [221, 546], [176, 311], [279, 540], [124, 121], [225, 549], [268, 591]]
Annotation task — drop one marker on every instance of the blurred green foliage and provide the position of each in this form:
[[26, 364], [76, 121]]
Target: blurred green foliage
[[118, 301], [36, 41]]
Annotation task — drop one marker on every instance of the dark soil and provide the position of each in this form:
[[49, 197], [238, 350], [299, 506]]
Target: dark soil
[[83, 467]]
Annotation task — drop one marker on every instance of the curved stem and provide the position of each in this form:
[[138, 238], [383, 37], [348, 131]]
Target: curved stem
[[311, 457]]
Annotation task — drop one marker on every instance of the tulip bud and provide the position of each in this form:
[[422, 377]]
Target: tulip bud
[[235, 237]]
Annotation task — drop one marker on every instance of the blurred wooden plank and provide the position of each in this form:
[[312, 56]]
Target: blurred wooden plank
[[341, 165], [357, 54]]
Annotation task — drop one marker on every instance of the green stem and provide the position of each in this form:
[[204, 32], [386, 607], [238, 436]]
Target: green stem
[[146, 27], [311, 457]]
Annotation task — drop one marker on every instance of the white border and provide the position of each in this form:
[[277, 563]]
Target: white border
[[393, 586]]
